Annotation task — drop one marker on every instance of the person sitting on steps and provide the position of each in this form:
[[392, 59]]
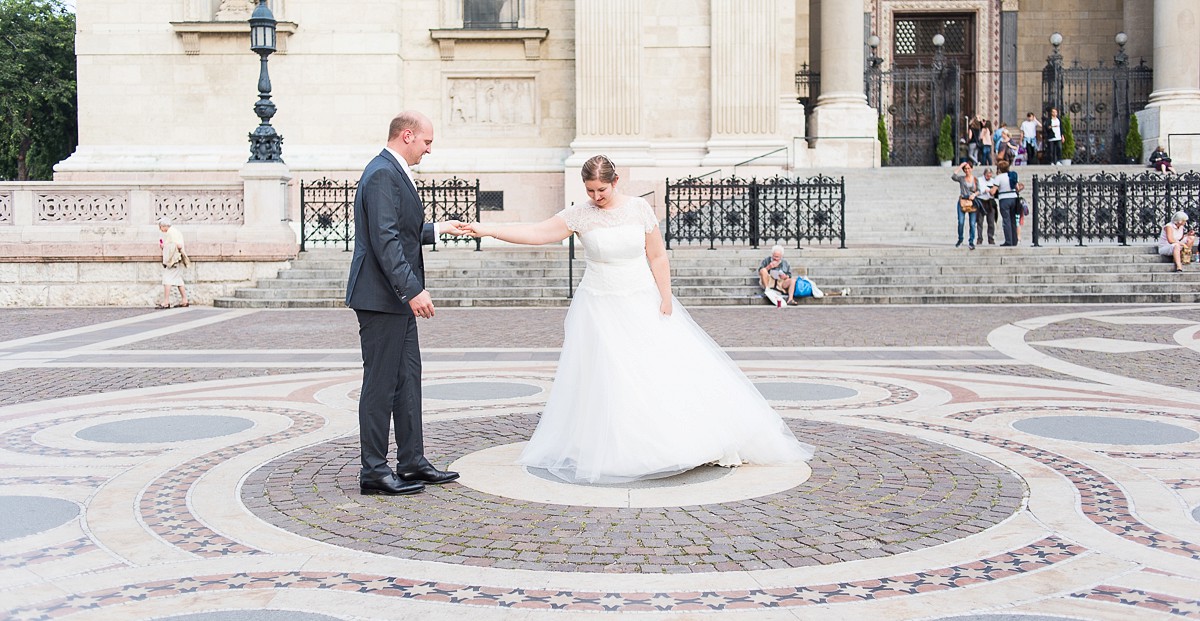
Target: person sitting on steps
[[775, 276]]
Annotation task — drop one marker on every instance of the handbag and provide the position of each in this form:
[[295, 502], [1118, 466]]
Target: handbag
[[967, 205]]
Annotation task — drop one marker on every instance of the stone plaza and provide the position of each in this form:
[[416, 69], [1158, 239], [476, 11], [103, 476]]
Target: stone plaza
[[984, 463]]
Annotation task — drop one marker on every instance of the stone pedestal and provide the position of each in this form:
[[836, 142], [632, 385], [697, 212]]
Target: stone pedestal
[[266, 213]]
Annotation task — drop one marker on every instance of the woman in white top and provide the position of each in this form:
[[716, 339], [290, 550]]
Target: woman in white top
[[1010, 207], [641, 391], [1174, 238]]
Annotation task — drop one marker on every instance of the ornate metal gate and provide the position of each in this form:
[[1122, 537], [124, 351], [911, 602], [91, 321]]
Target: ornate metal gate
[[1099, 101], [914, 100], [327, 209], [924, 85]]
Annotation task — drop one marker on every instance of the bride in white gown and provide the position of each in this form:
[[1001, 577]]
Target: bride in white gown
[[641, 391]]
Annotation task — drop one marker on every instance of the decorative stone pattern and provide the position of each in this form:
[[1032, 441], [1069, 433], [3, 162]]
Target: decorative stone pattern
[[1038, 555], [51, 207], [1142, 599], [871, 494], [48, 553], [164, 504], [6, 208], [1101, 499], [199, 207]]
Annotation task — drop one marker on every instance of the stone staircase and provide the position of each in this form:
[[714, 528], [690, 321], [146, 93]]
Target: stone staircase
[[875, 274], [900, 231]]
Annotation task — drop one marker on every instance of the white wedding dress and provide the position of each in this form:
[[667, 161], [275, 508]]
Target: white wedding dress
[[638, 394]]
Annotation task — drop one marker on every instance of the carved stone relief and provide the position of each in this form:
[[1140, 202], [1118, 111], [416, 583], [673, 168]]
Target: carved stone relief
[[234, 10], [485, 102], [78, 207], [6, 211], [199, 207]]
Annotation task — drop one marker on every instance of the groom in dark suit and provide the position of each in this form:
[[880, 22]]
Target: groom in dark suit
[[386, 289]]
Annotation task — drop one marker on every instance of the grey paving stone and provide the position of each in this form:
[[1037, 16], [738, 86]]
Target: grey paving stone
[[1106, 430], [175, 428], [803, 391], [26, 515]]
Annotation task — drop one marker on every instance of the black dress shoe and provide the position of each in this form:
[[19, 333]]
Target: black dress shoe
[[389, 486], [429, 475]]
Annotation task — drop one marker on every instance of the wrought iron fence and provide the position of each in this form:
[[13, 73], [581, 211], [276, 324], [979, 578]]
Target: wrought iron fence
[[739, 211], [1109, 207], [327, 209]]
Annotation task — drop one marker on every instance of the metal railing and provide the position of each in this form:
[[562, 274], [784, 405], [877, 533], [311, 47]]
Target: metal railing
[[327, 209], [1110, 207], [739, 211]]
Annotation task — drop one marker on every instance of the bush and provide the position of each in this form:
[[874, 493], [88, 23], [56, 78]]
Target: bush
[[945, 144], [1133, 141], [881, 131], [1068, 146]]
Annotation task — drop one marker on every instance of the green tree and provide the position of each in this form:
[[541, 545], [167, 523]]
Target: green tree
[[38, 119], [945, 143], [1133, 141], [1068, 145], [881, 131]]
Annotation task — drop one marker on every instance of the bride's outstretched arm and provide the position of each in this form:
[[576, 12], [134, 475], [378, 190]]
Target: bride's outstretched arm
[[548, 231], [660, 267]]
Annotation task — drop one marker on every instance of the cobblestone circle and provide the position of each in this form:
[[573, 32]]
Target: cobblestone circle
[[871, 494]]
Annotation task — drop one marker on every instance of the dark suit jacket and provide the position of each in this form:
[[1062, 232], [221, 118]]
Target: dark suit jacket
[[389, 228]]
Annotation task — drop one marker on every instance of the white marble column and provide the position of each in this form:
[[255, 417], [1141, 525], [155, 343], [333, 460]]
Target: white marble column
[[842, 119], [608, 81], [1174, 106], [745, 105]]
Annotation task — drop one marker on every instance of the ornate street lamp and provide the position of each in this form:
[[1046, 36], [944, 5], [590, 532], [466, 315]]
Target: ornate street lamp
[[265, 144], [874, 75], [939, 57], [1055, 58], [1121, 58]]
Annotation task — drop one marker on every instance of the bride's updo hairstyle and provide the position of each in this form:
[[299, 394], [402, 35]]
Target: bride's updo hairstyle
[[599, 167]]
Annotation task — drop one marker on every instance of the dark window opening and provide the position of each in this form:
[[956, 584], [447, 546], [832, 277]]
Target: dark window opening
[[491, 14], [491, 200]]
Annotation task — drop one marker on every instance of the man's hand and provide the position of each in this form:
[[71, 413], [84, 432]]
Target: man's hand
[[422, 305], [452, 227]]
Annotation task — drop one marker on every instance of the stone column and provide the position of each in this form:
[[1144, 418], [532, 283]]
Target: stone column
[[1174, 106], [608, 81], [745, 82], [842, 113]]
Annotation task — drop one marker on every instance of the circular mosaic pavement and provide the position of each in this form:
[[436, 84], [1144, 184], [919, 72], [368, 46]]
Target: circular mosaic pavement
[[1106, 430], [870, 494], [26, 515], [176, 428], [798, 391], [478, 391]]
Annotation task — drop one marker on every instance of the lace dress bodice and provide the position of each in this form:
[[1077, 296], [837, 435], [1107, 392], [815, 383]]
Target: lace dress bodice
[[614, 245]]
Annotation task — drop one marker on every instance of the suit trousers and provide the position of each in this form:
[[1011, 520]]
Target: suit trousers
[[391, 393]]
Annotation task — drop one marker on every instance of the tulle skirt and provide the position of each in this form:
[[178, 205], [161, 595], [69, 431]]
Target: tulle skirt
[[640, 395]]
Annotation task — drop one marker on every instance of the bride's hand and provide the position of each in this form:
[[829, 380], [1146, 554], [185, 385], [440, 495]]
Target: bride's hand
[[665, 307], [474, 229]]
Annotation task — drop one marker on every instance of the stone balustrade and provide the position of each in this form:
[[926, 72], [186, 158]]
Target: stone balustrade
[[87, 243]]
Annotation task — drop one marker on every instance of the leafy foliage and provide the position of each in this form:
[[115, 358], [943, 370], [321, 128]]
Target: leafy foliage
[[38, 119], [1068, 145], [945, 144], [1133, 141], [883, 141]]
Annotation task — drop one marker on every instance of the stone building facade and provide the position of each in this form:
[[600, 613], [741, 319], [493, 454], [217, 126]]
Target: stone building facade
[[522, 91]]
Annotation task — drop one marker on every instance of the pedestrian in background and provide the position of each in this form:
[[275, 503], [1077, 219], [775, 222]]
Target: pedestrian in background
[[174, 262]]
